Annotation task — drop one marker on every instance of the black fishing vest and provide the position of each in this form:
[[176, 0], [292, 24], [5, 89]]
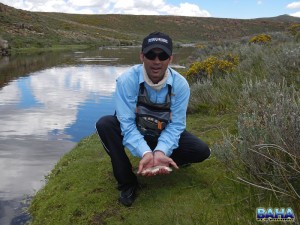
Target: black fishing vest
[[152, 118]]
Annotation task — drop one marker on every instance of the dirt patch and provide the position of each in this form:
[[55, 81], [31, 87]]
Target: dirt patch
[[99, 218]]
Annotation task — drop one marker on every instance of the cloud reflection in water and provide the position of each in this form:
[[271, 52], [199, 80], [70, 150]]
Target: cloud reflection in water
[[41, 114], [55, 99]]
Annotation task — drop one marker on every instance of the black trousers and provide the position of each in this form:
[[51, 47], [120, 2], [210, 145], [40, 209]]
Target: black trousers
[[190, 150]]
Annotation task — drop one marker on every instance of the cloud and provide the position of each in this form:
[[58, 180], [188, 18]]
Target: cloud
[[85, 3], [294, 5], [296, 14], [137, 7], [187, 9]]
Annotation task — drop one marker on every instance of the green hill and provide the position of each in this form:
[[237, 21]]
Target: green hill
[[24, 29]]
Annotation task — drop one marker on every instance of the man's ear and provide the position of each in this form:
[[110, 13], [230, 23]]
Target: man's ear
[[142, 57], [171, 58]]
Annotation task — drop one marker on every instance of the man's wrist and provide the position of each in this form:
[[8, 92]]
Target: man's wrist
[[159, 151], [146, 153]]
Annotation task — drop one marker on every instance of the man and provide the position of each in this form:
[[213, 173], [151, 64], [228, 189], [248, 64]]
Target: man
[[150, 119]]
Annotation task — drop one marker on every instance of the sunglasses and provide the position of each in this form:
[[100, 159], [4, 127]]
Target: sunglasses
[[162, 56]]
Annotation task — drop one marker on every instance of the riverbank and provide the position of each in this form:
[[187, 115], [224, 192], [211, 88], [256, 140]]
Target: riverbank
[[81, 188], [234, 113], [55, 48]]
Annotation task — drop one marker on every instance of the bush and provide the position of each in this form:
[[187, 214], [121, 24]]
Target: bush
[[261, 39], [263, 91], [274, 62], [294, 29], [215, 97], [265, 152], [297, 37], [212, 67]]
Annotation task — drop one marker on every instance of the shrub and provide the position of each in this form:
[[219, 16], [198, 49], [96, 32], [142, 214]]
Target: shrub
[[261, 39], [212, 67], [265, 152], [294, 29], [297, 37], [215, 96], [200, 46], [274, 62]]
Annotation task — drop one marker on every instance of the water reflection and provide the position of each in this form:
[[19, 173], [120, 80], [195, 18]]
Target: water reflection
[[21, 65], [42, 116], [47, 102]]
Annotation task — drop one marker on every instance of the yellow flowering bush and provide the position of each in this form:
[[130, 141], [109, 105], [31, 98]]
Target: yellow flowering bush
[[294, 29], [212, 66], [261, 39], [200, 46]]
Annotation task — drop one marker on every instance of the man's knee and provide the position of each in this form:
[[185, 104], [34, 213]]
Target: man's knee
[[207, 152], [105, 123], [204, 153], [101, 123]]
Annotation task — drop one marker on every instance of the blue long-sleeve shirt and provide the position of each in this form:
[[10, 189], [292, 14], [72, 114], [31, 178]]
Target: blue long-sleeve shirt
[[127, 89]]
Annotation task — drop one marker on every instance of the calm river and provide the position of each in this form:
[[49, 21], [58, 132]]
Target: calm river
[[48, 102]]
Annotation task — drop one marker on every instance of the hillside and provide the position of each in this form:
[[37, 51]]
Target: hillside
[[39, 29]]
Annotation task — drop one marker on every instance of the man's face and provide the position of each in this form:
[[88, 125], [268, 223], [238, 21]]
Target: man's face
[[156, 63]]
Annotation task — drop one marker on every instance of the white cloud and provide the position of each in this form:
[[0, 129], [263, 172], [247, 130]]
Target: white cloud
[[138, 7], [124, 5], [85, 3], [187, 9], [296, 14], [259, 2], [294, 5], [158, 7]]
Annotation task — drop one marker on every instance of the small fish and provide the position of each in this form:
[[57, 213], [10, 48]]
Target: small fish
[[156, 169]]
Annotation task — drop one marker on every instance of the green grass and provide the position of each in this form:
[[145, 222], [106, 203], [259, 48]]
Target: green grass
[[81, 189]]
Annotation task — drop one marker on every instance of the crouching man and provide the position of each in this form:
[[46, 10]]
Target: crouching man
[[150, 119]]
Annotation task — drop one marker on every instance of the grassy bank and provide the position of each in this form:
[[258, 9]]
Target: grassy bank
[[81, 189]]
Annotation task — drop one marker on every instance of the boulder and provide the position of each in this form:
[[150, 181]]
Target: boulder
[[4, 47]]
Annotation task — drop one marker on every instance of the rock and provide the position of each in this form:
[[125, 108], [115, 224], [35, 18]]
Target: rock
[[4, 47]]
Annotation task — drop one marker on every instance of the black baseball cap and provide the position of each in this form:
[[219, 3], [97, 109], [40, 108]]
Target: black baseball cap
[[157, 40]]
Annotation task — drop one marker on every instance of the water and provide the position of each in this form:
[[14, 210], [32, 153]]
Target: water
[[48, 103]]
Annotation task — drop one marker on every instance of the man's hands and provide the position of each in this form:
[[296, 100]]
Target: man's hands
[[157, 158], [145, 163]]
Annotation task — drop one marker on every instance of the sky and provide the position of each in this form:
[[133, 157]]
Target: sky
[[238, 9]]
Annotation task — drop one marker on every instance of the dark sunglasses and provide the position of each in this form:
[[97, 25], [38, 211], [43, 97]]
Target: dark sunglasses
[[162, 56]]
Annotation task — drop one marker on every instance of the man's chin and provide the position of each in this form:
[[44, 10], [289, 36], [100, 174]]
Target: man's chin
[[155, 78]]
